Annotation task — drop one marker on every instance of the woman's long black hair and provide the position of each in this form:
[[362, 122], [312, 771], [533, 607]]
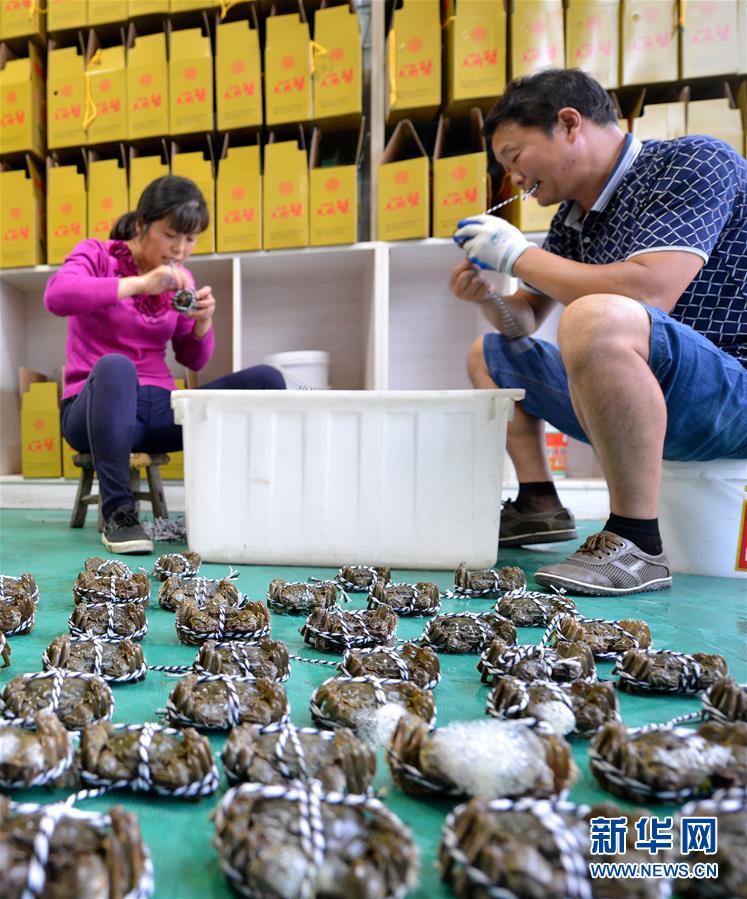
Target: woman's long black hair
[[177, 199]]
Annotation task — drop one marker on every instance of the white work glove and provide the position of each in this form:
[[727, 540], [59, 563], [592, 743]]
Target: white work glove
[[490, 242]]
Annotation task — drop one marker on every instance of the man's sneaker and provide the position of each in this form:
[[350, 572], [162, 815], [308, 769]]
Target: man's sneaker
[[608, 565], [123, 533], [518, 528]]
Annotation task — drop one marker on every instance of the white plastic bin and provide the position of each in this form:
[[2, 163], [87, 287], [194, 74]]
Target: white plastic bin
[[702, 516], [410, 479], [302, 368]]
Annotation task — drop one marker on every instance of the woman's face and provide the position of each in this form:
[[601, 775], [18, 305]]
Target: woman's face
[[161, 244]]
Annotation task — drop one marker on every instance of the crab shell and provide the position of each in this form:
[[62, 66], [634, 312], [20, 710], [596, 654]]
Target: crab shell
[[175, 760], [132, 589], [532, 609], [83, 699], [181, 564], [106, 567], [176, 589], [603, 636], [4, 651], [726, 700], [338, 759], [14, 612], [461, 633], [331, 631], [266, 658], [423, 598], [299, 599], [663, 671], [92, 618], [345, 702], [204, 702], [422, 663], [250, 620], [119, 657], [498, 581], [27, 754], [24, 585], [362, 576]]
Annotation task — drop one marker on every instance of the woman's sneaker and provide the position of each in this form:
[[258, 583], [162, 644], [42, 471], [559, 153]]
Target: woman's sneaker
[[520, 528], [123, 533]]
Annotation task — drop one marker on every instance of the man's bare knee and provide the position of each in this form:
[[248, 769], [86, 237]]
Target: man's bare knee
[[477, 369], [598, 324]]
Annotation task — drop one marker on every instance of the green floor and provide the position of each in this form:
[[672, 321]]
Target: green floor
[[699, 613]]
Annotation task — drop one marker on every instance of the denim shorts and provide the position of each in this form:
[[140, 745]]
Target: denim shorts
[[705, 389]]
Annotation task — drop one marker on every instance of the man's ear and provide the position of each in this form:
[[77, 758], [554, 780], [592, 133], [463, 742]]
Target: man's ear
[[569, 121]]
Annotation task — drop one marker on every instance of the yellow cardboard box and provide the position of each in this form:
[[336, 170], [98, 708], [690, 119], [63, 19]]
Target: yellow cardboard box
[[66, 96], [107, 192], [62, 14], [22, 102], [185, 5], [536, 35], [21, 18], [592, 38], [66, 209], [238, 198], [404, 207], [337, 65], [660, 121], [147, 85], [21, 215], [648, 41], [709, 38], [333, 189], [413, 48], [460, 173], [147, 8], [101, 11], [476, 41], [143, 170], [190, 81], [106, 97], [238, 74], [720, 118], [285, 194], [40, 429], [287, 68], [528, 216], [198, 165]]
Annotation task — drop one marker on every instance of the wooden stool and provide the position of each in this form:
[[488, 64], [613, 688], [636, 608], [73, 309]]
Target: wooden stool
[[155, 495]]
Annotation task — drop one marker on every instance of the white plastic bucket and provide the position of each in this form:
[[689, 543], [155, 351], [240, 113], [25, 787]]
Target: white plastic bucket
[[703, 517], [302, 369]]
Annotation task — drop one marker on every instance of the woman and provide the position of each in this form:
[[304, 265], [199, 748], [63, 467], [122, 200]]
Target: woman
[[117, 296]]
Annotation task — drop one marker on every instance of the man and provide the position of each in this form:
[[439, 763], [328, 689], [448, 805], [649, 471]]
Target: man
[[648, 255]]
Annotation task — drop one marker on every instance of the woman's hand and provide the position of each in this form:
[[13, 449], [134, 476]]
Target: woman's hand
[[203, 314], [163, 278], [467, 283]]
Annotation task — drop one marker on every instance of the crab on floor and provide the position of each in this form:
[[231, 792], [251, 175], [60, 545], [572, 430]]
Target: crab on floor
[[17, 615], [29, 758], [183, 565], [488, 582], [265, 658], [200, 589], [423, 598], [530, 608], [726, 700], [279, 754], [12, 587], [220, 702], [105, 619], [461, 632], [300, 598], [111, 581], [4, 651], [606, 638], [114, 660], [665, 671], [333, 630], [77, 699], [480, 758], [361, 578], [408, 662], [215, 620], [563, 663]]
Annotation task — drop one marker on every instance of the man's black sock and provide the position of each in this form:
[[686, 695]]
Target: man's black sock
[[537, 496], [644, 532]]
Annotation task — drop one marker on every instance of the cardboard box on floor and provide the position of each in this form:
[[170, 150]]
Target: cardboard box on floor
[[66, 94], [190, 79], [288, 96], [21, 214], [660, 121], [333, 187], [145, 166], [147, 85], [709, 38], [238, 197], [106, 90], [22, 18], [238, 74], [337, 63], [107, 191], [63, 14], [475, 53], [404, 207], [40, 426], [535, 35], [460, 172], [592, 42], [285, 189], [101, 12], [67, 221], [720, 118], [413, 60], [198, 165], [22, 102], [648, 41]]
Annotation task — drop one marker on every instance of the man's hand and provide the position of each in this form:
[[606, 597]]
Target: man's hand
[[467, 283], [491, 242]]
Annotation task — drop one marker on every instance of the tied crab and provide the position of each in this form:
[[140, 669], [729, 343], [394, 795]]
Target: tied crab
[[4, 651], [215, 620], [480, 758], [488, 582], [298, 841], [111, 581], [198, 589], [355, 702], [726, 700], [665, 671], [362, 578], [219, 702], [17, 615], [30, 758], [459, 632], [264, 658], [149, 758], [107, 620], [606, 639], [11, 588], [565, 662], [529, 608], [76, 699], [280, 754], [409, 662], [422, 598], [299, 598], [578, 707], [183, 565], [116, 661], [332, 630]]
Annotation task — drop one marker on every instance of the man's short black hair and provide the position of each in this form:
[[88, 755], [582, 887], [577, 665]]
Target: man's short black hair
[[535, 100]]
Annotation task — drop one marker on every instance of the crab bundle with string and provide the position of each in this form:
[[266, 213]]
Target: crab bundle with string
[[18, 599], [527, 847], [408, 662], [667, 671], [215, 620], [667, 762], [608, 639], [301, 597], [531, 608], [220, 702], [334, 630], [567, 661], [77, 699], [264, 658], [58, 850], [175, 589], [116, 661], [147, 758], [34, 757], [299, 841], [4, 651], [466, 632], [725, 700], [111, 581], [184, 565], [24, 585], [577, 707], [480, 758], [423, 598], [486, 583], [362, 578], [281, 753], [108, 621]]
